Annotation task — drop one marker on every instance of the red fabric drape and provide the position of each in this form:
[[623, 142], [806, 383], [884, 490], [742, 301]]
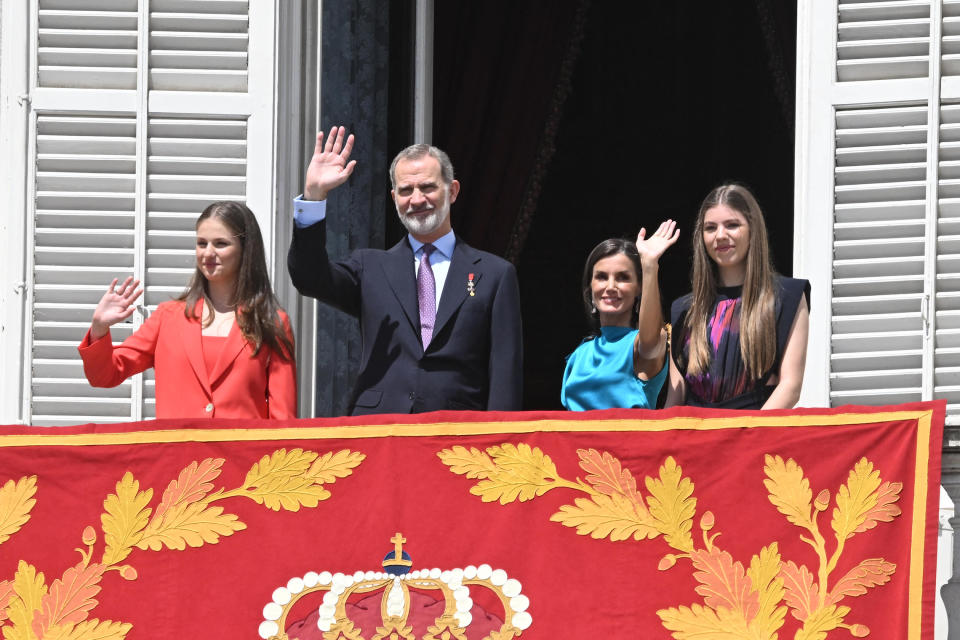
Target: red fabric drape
[[613, 524]]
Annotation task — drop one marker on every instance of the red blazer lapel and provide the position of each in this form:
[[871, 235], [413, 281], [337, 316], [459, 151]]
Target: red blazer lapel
[[190, 336], [232, 349]]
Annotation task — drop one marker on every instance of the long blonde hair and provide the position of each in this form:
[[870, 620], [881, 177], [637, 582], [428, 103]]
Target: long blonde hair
[[758, 344]]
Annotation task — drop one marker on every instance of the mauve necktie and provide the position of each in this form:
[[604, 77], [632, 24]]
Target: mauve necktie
[[426, 295]]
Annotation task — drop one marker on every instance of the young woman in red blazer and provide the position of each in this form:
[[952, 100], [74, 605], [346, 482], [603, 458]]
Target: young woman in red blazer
[[223, 349]]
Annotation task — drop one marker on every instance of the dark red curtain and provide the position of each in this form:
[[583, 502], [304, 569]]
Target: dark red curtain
[[497, 66]]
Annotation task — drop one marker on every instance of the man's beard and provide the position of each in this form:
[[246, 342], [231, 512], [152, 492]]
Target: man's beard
[[422, 225]]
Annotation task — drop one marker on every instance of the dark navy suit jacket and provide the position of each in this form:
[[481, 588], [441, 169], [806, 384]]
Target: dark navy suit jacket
[[475, 358]]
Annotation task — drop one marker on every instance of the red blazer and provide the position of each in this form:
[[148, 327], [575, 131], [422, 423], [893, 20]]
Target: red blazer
[[241, 386]]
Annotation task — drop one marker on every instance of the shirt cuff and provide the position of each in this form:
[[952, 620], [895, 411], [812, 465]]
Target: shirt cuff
[[308, 212]]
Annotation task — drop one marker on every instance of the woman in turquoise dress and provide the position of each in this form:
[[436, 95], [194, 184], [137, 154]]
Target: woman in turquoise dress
[[623, 364]]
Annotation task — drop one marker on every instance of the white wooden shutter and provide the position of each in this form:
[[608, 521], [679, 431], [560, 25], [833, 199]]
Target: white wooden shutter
[[885, 242], [878, 255], [946, 285], [143, 113]]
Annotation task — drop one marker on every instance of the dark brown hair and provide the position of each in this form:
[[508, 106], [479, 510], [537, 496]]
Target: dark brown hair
[[258, 311], [605, 249]]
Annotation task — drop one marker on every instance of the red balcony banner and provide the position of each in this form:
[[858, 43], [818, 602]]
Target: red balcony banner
[[685, 523]]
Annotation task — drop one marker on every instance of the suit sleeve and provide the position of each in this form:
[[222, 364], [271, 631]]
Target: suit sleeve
[[506, 346], [282, 382], [315, 275], [106, 366]]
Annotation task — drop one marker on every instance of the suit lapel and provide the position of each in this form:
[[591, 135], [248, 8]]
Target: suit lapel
[[191, 341], [464, 262], [400, 275]]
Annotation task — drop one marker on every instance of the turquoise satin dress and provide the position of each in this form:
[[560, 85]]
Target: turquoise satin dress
[[599, 375]]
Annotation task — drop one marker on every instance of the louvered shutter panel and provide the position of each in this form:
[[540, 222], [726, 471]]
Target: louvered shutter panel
[[893, 330], [878, 267], [126, 156], [883, 40], [84, 234], [191, 163], [946, 356]]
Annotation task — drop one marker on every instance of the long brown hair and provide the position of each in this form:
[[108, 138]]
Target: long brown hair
[[758, 347], [258, 311]]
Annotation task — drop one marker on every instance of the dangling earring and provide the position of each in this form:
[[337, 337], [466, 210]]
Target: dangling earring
[[593, 309]]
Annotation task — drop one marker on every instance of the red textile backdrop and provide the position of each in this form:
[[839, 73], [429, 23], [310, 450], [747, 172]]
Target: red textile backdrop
[[613, 524]]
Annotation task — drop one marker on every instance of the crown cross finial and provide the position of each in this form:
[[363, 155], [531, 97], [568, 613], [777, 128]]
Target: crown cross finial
[[398, 561], [398, 541]]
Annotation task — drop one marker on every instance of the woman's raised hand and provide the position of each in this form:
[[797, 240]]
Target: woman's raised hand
[[650, 249], [115, 306]]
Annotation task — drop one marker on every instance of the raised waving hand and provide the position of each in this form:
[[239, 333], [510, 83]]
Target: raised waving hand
[[650, 249], [116, 305], [329, 166]]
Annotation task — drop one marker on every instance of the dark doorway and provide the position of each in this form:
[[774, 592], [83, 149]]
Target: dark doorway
[[664, 101]]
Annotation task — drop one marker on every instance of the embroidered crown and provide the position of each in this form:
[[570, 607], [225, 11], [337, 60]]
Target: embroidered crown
[[406, 602]]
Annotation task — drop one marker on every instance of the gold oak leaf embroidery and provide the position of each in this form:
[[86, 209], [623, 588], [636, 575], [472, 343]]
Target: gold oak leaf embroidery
[[92, 629], [184, 517], [821, 621], [6, 595], [607, 515], [124, 519], [857, 500], [16, 501], [30, 590], [672, 506], [283, 481], [69, 598], [698, 622], [746, 604], [193, 524], [764, 575], [789, 490], [615, 508], [724, 583], [606, 475], [884, 510], [330, 466], [869, 573], [522, 473], [192, 485], [801, 591], [471, 462]]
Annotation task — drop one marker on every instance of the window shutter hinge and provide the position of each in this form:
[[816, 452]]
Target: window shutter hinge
[[20, 288], [23, 99]]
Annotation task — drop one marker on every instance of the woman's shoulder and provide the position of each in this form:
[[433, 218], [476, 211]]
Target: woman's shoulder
[[680, 306], [168, 307], [792, 288]]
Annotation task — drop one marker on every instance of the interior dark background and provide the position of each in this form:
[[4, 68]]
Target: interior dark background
[[570, 121]]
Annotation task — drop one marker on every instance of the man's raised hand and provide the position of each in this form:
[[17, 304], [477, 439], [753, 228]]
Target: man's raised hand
[[328, 167]]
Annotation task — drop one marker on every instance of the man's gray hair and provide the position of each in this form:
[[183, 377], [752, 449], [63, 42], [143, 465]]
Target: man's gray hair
[[417, 151]]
